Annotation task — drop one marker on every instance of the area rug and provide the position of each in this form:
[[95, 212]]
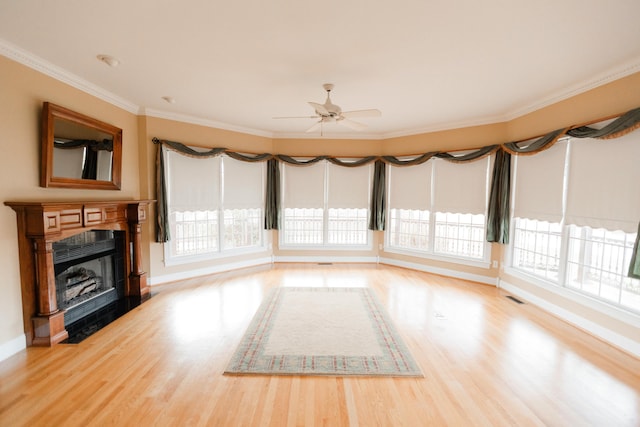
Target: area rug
[[322, 331]]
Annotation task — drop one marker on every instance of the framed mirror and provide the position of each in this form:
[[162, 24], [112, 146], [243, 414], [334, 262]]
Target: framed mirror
[[79, 151]]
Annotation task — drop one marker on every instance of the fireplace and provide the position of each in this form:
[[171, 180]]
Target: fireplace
[[78, 261]]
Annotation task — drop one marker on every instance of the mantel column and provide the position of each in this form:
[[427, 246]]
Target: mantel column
[[136, 214], [48, 323]]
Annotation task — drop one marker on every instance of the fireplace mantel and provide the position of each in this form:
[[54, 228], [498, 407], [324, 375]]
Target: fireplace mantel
[[40, 224]]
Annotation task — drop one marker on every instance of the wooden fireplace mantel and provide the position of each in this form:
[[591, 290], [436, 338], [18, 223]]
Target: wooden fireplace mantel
[[42, 223]]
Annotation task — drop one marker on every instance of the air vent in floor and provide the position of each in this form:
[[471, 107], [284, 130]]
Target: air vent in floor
[[325, 263], [515, 299]]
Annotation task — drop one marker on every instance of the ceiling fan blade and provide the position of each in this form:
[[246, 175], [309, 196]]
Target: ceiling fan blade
[[361, 113], [320, 109], [351, 124], [296, 117], [315, 127]]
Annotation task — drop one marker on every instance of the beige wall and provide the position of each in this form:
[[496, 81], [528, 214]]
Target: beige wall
[[23, 91]]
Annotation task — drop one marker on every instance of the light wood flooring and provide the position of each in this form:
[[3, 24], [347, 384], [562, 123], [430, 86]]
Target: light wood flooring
[[487, 361]]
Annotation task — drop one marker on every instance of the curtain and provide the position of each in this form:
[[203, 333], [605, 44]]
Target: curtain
[[499, 199], [620, 126], [377, 211], [162, 211], [634, 266], [272, 197]]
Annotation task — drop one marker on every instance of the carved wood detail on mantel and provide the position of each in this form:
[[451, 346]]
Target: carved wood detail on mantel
[[42, 223]]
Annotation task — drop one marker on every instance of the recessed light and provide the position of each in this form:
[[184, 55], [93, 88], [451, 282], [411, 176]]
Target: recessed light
[[109, 60], [169, 99]]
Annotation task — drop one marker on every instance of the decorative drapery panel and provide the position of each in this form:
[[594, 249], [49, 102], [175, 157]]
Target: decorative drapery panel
[[272, 196], [377, 212], [499, 200]]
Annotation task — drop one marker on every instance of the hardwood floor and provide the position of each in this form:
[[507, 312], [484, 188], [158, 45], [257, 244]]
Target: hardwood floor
[[487, 361]]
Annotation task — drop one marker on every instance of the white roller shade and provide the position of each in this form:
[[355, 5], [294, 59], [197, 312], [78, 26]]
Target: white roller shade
[[304, 186], [539, 180], [349, 186], [603, 190], [243, 184], [461, 187], [193, 184], [410, 186]]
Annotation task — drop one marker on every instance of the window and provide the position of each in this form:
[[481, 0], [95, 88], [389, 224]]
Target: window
[[536, 247], [438, 208], [461, 235], [597, 264], [576, 209], [409, 207], [215, 206], [325, 205]]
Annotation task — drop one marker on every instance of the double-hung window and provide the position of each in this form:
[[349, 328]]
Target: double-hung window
[[214, 205], [576, 213], [438, 208], [325, 206]]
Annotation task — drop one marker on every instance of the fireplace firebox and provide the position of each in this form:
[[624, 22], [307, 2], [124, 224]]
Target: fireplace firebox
[[89, 269]]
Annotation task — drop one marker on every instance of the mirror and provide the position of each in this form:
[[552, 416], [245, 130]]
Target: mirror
[[79, 151]]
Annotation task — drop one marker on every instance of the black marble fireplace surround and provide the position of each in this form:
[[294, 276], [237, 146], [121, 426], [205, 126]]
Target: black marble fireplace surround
[[90, 281]]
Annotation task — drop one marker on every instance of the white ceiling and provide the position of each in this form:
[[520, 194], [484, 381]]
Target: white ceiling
[[426, 64]]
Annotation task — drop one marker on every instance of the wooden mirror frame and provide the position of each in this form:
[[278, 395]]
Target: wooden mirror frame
[[51, 112]]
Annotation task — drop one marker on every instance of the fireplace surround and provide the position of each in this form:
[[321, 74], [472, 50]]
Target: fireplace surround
[[44, 227]]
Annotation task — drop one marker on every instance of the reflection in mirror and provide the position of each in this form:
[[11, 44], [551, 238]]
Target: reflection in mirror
[[78, 151]]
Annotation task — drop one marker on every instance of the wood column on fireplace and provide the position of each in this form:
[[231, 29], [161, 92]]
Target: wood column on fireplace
[[42, 223]]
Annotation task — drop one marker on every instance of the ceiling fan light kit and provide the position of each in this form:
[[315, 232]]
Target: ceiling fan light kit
[[330, 112]]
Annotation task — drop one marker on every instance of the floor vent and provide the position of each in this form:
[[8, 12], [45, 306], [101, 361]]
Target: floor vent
[[515, 299], [325, 263]]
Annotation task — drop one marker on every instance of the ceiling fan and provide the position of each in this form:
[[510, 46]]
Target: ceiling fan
[[329, 112]]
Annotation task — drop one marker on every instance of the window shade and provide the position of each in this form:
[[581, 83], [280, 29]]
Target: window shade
[[193, 184], [304, 186], [539, 184], [603, 189], [410, 186], [243, 184], [461, 187], [349, 186]]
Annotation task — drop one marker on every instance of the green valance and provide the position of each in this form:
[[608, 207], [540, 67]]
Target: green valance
[[624, 124]]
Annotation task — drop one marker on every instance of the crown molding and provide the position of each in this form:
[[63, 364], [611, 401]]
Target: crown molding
[[346, 135], [611, 75], [490, 120], [37, 63], [184, 118], [30, 60]]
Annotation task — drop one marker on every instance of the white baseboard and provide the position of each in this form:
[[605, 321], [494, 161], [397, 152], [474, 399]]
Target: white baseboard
[[493, 281], [332, 259], [209, 270], [605, 334], [12, 347]]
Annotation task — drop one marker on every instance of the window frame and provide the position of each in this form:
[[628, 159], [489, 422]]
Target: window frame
[[561, 286], [325, 246], [430, 253], [171, 259]]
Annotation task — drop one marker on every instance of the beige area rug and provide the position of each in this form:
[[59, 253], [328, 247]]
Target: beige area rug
[[322, 331]]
